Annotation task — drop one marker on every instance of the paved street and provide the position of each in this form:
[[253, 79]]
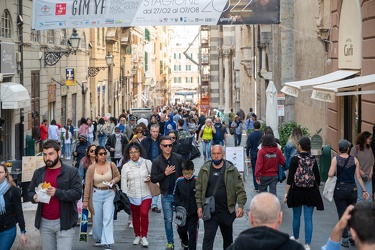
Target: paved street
[[124, 236]]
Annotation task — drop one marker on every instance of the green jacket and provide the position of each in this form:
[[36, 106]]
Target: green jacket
[[233, 183]]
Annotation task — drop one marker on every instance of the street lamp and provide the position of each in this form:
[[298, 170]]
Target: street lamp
[[53, 57], [109, 61]]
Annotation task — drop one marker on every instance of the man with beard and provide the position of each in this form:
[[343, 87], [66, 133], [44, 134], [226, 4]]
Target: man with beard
[[57, 219]]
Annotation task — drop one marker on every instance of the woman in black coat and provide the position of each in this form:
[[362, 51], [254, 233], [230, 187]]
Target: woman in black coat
[[298, 197]]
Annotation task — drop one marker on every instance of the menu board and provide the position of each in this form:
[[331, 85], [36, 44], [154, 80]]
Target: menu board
[[236, 156], [29, 165]]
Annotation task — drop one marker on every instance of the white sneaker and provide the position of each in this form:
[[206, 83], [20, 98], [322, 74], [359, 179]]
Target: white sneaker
[[131, 224], [144, 242], [90, 233], [292, 238], [137, 240], [307, 247]]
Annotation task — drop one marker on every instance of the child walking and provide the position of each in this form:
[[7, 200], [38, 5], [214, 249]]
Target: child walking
[[67, 143], [184, 195]]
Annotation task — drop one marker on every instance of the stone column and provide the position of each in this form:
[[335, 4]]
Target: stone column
[[221, 83], [226, 53]]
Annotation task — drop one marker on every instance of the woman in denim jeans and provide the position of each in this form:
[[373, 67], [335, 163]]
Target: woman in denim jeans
[[102, 132], [345, 167], [205, 134], [362, 151], [98, 197], [303, 197]]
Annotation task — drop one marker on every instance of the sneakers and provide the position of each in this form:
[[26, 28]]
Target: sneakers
[[90, 233], [107, 247], [351, 241], [98, 243], [156, 210], [185, 247], [137, 240], [292, 238], [131, 224], [144, 242], [170, 246], [307, 247], [345, 242]]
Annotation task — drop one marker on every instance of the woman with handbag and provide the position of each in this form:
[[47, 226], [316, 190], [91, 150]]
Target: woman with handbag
[[362, 151], [206, 135], [345, 194], [10, 210], [135, 176], [101, 178]]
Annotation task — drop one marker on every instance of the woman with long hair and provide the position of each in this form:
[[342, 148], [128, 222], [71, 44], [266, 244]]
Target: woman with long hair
[[363, 152], [267, 165], [90, 135], [153, 120], [291, 147], [307, 195], [138, 134], [83, 127], [67, 143], [102, 132], [10, 210], [346, 168], [87, 161], [101, 178], [135, 175]]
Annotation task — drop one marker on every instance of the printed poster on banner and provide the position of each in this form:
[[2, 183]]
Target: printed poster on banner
[[29, 165], [236, 156], [57, 14]]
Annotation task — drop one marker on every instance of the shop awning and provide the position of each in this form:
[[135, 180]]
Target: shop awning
[[293, 88], [14, 96], [327, 92]]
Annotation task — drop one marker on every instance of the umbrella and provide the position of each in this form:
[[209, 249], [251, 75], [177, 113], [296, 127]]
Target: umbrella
[[272, 118]]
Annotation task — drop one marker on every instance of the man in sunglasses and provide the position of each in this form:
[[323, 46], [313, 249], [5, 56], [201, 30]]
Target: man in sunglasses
[[166, 168]]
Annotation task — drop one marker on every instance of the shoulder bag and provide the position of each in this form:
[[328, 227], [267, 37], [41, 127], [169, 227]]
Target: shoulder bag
[[154, 187], [209, 202], [329, 186]]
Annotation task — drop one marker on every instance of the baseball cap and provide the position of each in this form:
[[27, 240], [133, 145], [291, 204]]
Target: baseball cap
[[132, 118], [117, 129], [344, 144]]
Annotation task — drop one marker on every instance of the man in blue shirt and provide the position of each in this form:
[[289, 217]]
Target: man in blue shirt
[[252, 144], [361, 221]]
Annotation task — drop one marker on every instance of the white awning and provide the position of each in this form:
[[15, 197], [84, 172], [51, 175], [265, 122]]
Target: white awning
[[293, 88], [14, 96], [327, 92]]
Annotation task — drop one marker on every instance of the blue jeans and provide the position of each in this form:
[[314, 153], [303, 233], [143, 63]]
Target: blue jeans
[[206, 149], [237, 140], [368, 186], [167, 203], [103, 218], [102, 140], [7, 238], [90, 140], [253, 160], [154, 201], [307, 213]]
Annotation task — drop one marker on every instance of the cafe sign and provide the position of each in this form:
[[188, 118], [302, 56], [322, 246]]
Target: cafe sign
[[325, 96]]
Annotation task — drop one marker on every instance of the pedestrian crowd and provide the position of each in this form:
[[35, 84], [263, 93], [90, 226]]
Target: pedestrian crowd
[[151, 158]]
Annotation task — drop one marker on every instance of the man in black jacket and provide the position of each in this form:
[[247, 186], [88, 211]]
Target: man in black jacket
[[165, 170], [115, 145], [265, 217], [56, 220]]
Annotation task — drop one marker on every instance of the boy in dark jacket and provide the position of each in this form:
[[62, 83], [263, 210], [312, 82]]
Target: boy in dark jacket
[[184, 195]]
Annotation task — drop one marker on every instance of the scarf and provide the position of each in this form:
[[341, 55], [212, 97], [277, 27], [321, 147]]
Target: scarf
[[3, 188]]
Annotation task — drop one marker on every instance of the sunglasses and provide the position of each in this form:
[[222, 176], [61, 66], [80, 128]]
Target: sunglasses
[[134, 152], [166, 145], [172, 137], [139, 132], [102, 153], [92, 150]]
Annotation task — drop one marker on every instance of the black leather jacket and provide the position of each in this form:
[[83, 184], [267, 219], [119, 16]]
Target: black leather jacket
[[68, 192]]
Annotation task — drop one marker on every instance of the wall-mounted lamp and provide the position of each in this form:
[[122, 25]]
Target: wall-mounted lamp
[[53, 57], [109, 59]]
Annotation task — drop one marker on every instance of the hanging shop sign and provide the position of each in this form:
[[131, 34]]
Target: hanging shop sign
[[57, 14]]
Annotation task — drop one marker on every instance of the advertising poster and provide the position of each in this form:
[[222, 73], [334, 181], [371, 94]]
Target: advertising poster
[[57, 14], [236, 156], [29, 165]]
